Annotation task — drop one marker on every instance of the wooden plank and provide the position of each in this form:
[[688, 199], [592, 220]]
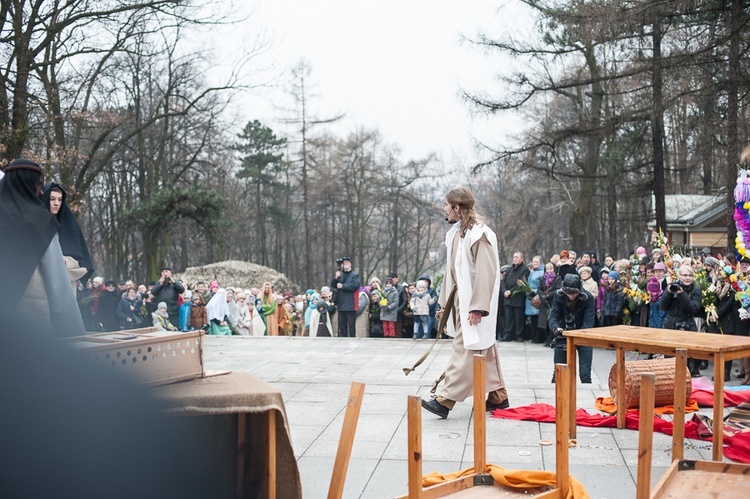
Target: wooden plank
[[678, 433], [271, 477], [450, 487], [341, 464], [620, 380], [718, 437], [705, 483], [645, 436], [664, 481], [241, 432], [414, 414], [562, 430], [573, 428], [480, 415]]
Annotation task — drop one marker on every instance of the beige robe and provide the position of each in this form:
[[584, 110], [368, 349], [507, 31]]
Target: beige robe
[[459, 379]]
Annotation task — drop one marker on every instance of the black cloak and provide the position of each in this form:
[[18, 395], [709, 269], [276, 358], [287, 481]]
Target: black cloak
[[26, 228], [72, 242]]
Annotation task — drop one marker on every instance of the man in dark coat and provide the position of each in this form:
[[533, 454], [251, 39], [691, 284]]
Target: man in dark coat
[[515, 304], [572, 308], [346, 282], [168, 290]]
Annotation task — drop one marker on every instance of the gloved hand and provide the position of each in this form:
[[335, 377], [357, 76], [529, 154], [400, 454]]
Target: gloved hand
[[559, 331]]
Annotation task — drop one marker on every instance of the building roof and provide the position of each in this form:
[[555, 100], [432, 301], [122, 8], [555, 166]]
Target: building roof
[[691, 209]]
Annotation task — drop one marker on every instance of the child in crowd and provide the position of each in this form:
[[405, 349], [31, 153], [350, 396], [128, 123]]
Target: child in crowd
[[389, 309], [420, 306], [614, 300], [128, 310], [161, 318], [198, 318]]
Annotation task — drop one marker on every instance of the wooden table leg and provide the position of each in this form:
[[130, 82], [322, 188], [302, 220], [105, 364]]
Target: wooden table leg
[[678, 432], [718, 443], [480, 415], [346, 441], [241, 430], [573, 379], [271, 477], [620, 374], [562, 381], [414, 412], [645, 437]]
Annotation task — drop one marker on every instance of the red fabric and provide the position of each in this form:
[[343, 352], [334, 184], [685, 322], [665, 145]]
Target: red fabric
[[737, 448], [705, 398]]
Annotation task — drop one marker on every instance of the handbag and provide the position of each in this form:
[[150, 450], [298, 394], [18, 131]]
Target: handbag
[[536, 301]]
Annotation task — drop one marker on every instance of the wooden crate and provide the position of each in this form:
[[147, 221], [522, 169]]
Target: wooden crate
[[152, 357]]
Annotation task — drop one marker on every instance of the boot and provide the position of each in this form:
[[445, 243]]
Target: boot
[[727, 370], [746, 380]]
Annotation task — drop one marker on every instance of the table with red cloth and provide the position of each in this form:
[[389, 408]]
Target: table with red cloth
[[703, 346], [240, 425]]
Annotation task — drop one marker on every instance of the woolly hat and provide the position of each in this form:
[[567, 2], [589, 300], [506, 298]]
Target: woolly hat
[[213, 285], [656, 250], [614, 275], [745, 259], [660, 266], [325, 289], [99, 280], [583, 269], [187, 294], [571, 284], [604, 270], [389, 280], [713, 262], [640, 250]]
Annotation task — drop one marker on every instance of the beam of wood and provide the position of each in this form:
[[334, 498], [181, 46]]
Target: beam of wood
[[678, 432], [572, 390], [414, 414], [340, 466], [562, 429], [645, 436], [241, 431], [620, 380], [271, 477], [718, 437], [480, 415]]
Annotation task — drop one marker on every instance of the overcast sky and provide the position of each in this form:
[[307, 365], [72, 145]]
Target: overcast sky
[[397, 66]]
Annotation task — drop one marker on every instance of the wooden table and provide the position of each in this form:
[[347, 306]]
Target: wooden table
[[243, 432], [704, 346]]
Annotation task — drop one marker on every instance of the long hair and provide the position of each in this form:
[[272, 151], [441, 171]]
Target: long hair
[[467, 215]]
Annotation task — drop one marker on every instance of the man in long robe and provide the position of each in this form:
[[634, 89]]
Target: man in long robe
[[472, 279]]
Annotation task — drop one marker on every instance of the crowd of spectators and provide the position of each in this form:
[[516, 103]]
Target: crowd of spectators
[[655, 289]]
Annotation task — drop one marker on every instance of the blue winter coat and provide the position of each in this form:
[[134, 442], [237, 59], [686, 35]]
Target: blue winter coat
[[535, 277]]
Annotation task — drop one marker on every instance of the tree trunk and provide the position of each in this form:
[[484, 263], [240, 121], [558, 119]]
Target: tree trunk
[[657, 128], [733, 149]]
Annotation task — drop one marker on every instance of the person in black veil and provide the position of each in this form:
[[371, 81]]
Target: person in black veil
[[36, 288], [72, 242]]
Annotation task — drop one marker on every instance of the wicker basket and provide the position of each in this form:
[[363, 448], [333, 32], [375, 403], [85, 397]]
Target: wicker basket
[[663, 369]]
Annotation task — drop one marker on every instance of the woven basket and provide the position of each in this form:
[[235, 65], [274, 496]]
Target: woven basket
[[664, 371]]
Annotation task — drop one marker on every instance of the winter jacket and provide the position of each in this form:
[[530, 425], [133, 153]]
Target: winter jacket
[[582, 312], [198, 315], [681, 308], [345, 296], [390, 311], [614, 300], [420, 303], [124, 312], [510, 282], [169, 293], [535, 277]]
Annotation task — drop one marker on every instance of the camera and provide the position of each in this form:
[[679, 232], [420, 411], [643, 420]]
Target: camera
[[675, 286], [339, 261], [561, 342]]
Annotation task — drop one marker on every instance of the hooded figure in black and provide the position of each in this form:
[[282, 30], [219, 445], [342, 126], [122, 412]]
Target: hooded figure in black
[[72, 242], [36, 287]]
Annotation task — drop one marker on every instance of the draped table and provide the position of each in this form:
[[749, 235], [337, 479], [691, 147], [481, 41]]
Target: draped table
[[704, 346], [241, 428]]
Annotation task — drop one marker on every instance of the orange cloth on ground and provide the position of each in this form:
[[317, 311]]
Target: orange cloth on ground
[[517, 479], [606, 404]]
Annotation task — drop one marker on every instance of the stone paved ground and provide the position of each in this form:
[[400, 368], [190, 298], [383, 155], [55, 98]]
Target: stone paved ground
[[314, 376]]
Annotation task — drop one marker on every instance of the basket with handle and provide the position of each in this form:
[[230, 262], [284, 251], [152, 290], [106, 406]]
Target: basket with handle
[[663, 369]]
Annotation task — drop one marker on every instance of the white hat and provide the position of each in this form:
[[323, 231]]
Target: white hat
[[325, 289]]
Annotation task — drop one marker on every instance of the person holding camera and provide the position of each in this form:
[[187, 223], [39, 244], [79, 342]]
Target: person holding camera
[[346, 282], [572, 308], [682, 302], [168, 290]]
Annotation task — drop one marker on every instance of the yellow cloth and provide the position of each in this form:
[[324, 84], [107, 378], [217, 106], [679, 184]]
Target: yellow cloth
[[517, 479]]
